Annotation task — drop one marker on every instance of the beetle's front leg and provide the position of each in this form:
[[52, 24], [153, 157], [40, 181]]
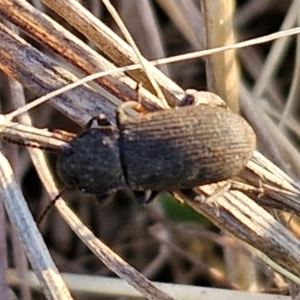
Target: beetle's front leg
[[100, 120], [145, 197]]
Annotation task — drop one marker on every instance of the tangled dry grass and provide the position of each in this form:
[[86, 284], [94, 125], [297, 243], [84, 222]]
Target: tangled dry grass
[[165, 241]]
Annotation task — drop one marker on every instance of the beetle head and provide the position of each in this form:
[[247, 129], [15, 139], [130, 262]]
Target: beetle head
[[91, 162]]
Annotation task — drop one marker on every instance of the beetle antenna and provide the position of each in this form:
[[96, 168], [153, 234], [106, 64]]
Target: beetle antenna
[[48, 208]]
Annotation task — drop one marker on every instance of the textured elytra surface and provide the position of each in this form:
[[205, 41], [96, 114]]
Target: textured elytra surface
[[185, 147]]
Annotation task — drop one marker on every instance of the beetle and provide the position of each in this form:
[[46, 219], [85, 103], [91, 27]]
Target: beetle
[[173, 149]]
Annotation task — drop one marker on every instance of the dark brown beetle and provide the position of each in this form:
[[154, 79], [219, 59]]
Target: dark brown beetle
[[170, 150]]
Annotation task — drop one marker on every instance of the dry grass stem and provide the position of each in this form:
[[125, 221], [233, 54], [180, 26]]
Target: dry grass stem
[[221, 68], [242, 205], [114, 287], [41, 261], [113, 46]]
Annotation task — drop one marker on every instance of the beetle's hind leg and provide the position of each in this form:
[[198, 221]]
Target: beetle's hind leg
[[194, 97], [187, 100]]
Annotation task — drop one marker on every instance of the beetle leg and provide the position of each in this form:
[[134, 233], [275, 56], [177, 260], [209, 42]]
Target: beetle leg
[[187, 100], [145, 197], [137, 90], [121, 114], [194, 97]]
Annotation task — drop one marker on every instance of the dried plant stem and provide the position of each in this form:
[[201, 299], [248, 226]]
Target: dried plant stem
[[39, 25], [270, 237], [112, 45], [115, 287], [235, 212], [191, 27], [245, 219], [221, 69], [21, 218], [109, 258], [144, 63], [40, 75]]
